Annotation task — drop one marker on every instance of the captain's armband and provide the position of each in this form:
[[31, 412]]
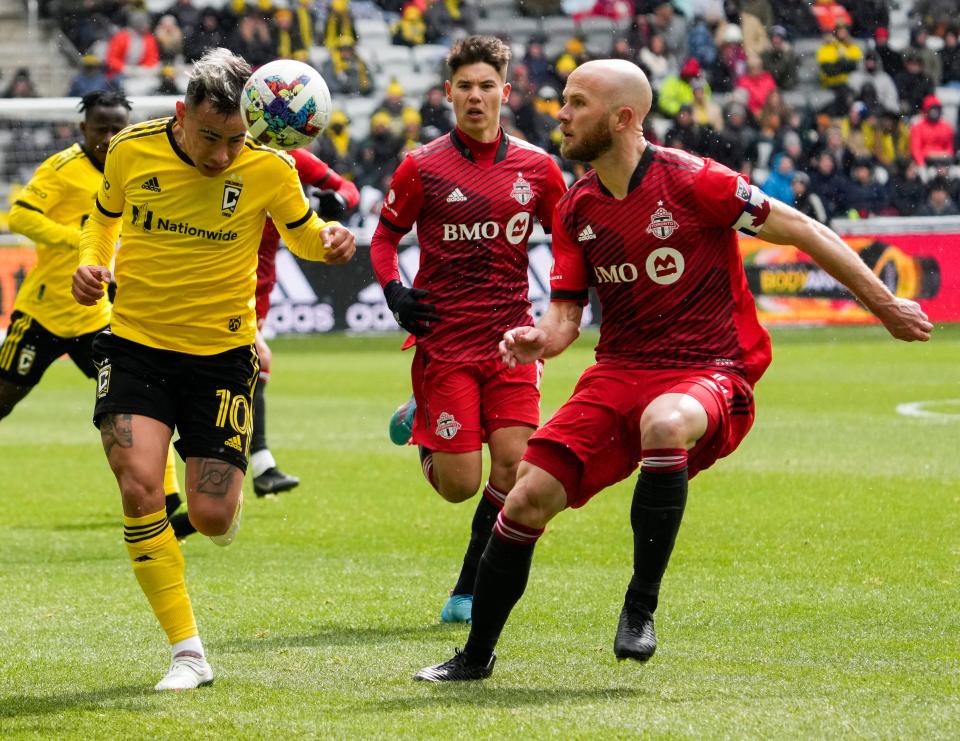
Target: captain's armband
[[756, 209]]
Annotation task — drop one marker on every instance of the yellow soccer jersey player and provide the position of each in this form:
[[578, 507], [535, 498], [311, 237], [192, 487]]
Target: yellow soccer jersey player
[[192, 195], [186, 269], [46, 321], [50, 210]]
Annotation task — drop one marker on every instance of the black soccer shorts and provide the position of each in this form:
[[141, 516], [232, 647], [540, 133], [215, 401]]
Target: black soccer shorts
[[206, 398], [30, 348]]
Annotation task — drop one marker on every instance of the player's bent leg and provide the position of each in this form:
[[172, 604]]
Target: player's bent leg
[[669, 426], [503, 573], [457, 474], [10, 395], [214, 498], [506, 446]]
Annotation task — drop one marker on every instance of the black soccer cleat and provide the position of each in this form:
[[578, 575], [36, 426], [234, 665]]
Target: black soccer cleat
[[636, 638], [274, 481], [458, 669], [182, 527]]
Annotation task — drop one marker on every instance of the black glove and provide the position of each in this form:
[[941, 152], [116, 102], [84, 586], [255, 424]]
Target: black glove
[[330, 204], [410, 313], [112, 291]]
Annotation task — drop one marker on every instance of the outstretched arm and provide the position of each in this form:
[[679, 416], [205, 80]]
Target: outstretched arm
[[904, 319], [554, 333]]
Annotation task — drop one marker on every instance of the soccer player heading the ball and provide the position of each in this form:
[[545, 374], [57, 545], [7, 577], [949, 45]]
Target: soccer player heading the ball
[[473, 194], [192, 193], [679, 353]]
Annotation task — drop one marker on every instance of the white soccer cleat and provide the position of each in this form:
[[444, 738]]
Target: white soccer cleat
[[227, 538], [188, 670]]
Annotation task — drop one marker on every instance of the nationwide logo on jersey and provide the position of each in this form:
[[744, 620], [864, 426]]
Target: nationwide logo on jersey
[[231, 196], [587, 234], [522, 192], [662, 224], [447, 426], [151, 184], [456, 196]]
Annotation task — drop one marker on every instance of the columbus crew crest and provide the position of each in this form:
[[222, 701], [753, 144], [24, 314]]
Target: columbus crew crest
[[662, 224], [231, 196], [522, 191]]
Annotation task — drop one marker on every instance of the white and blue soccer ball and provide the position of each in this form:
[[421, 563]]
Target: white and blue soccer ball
[[285, 104]]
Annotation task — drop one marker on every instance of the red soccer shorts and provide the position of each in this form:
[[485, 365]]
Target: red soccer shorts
[[593, 440], [459, 404]]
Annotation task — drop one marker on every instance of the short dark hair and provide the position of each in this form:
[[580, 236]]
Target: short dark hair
[[475, 49], [218, 76], [103, 99]]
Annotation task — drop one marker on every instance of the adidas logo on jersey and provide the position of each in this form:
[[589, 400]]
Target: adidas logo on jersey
[[586, 234], [151, 184], [234, 442], [456, 196]]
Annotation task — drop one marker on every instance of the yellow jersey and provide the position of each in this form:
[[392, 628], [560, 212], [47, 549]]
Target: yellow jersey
[[50, 211], [187, 262]]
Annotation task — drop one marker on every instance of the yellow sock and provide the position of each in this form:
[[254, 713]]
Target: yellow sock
[[159, 567], [170, 483]]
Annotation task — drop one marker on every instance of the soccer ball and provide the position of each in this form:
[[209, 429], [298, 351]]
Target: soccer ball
[[285, 104]]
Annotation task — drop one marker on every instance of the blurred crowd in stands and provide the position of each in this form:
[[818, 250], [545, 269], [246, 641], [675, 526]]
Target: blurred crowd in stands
[[810, 99]]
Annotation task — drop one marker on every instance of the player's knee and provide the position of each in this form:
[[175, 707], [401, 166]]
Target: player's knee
[[456, 490], [503, 473], [140, 495], [530, 504], [663, 431], [210, 518]]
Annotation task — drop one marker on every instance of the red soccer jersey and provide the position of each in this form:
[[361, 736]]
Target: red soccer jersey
[[666, 265], [473, 224]]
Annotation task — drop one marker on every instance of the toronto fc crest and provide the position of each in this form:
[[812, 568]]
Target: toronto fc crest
[[447, 426], [522, 191], [662, 224]]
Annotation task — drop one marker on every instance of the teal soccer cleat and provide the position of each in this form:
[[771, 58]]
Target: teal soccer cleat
[[401, 423], [459, 609]]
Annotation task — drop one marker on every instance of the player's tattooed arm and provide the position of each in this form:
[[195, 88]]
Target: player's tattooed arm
[[215, 477], [116, 429]]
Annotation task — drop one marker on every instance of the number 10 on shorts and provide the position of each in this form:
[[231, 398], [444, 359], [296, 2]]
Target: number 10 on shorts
[[235, 410]]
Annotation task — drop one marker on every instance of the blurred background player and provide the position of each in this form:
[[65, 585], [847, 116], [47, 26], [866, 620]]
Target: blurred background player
[[334, 196], [473, 195], [46, 322], [191, 193]]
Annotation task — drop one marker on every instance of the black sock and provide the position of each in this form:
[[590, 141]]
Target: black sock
[[658, 502], [483, 519], [501, 581], [172, 503], [182, 527], [258, 438]]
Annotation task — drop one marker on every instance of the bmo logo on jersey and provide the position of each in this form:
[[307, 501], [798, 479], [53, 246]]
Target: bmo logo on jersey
[[665, 266], [515, 230]]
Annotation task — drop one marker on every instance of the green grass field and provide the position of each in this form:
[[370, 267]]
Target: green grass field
[[814, 591]]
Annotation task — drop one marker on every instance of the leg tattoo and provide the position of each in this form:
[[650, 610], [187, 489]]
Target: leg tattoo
[[215, 477], [116, 429]]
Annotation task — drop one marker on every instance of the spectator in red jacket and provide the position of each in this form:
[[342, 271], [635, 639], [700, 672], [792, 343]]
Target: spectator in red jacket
[[132, 46], [931, 138], [758, 83]]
